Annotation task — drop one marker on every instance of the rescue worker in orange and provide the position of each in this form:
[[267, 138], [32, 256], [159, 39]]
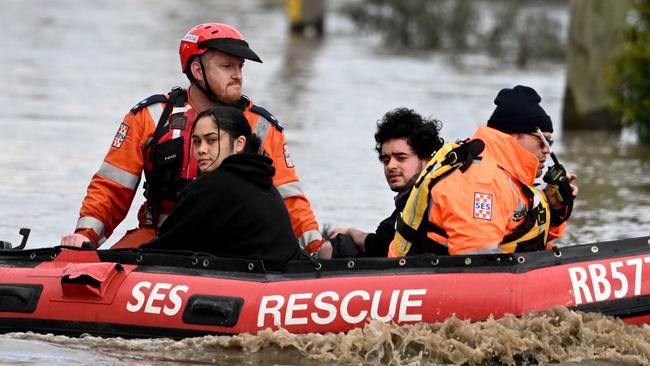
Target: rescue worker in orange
[[154, 137], [490, 204]]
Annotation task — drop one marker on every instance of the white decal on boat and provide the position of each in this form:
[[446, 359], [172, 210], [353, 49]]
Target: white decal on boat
[[160, 297], [300, 309], [598, 282]]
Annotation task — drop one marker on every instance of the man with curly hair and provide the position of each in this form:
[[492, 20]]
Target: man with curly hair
[[405, 141], [487, 201]]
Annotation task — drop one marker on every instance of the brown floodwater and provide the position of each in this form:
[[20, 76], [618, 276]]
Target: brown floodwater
[[73, 68], [557, 336]]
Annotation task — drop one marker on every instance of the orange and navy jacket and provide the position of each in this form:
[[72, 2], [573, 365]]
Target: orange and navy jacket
[[112, 189], [472, 228]]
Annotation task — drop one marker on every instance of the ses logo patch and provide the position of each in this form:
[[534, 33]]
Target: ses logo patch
[[482, 206], [120, 136], [287, 157]]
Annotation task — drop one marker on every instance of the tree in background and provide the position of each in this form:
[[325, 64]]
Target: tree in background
[[595, 34], [629, 74], [413, 24], [508, 30]]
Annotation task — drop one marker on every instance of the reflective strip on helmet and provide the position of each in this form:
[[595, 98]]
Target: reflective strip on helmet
[[309, 236], [261, 129], [176, 133], [290, 190], [88, 222], [119, 176]]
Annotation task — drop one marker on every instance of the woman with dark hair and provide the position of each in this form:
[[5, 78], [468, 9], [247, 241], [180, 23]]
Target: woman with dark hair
[[232, 209]]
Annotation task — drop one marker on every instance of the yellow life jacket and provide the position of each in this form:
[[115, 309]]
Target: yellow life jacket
[[532, 232], [413, 225]]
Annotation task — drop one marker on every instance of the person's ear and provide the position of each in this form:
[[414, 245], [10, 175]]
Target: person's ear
[[240, 144], [195, 69]]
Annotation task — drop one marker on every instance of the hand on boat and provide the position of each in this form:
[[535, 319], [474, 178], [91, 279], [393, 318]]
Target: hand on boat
[[326, 250], [358, 236], [74, 240], [551, 194], [338, 230]]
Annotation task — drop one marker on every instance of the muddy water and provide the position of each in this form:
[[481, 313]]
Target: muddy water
[[557, 336], [71, 69]]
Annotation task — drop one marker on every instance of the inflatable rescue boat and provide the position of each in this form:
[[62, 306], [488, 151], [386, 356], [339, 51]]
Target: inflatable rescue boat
[[138, 293]]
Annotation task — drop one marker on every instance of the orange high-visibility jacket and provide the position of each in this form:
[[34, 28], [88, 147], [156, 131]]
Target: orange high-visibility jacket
[[476, 208], [112, 189]]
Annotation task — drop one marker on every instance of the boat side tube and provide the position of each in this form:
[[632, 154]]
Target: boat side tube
[[136, 293]]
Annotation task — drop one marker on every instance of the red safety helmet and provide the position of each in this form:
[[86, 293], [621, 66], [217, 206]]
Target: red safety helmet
[[214, 35]]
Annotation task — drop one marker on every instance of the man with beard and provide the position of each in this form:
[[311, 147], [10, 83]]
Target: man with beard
[[404, 141], [154, 137]]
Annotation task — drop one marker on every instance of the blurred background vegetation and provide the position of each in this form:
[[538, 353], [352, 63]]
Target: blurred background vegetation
[[628, 76], [608, 80], [509, 30]]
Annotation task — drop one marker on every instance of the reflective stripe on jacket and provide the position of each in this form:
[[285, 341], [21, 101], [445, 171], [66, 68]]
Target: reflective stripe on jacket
[[112, 189], [274, 145], [109, 197]]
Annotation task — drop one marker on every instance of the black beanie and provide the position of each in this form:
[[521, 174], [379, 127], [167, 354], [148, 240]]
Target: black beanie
[[518, 110]]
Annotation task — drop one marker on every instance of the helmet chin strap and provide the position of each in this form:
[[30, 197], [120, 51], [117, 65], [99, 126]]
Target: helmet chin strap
[[206, 90]]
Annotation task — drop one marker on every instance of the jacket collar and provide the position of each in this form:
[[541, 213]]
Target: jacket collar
[[509, 154]]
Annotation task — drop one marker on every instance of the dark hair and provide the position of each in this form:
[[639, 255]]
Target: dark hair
[[231, 120], [420, 133]]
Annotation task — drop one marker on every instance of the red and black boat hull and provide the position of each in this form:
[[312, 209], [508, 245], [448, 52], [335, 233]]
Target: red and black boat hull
[[133, 293]]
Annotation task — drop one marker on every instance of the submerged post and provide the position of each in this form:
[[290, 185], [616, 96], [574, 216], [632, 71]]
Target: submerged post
[[306, 16]]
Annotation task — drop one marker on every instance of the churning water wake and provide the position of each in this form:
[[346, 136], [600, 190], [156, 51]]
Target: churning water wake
[[557, 336]]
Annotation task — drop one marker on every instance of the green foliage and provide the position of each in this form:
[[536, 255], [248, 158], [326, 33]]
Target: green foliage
[[628, 77], [415, 24], [460, 24], [455, 25]]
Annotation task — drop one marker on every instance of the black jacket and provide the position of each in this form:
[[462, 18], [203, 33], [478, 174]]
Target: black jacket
[[233, 211], [377, 243]]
